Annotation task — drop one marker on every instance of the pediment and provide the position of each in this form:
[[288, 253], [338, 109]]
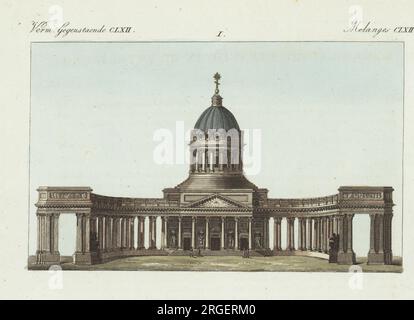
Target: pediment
[[216, 201]]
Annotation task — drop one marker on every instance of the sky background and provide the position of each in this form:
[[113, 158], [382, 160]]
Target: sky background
[[330, 114]]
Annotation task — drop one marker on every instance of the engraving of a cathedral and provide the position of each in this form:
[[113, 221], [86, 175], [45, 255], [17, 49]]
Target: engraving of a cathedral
[[215, 218]]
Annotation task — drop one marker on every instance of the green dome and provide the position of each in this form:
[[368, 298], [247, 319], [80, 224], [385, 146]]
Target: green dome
[[216, 117]]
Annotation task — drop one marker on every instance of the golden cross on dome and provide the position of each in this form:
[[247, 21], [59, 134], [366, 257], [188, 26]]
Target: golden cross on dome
[[217, 77]]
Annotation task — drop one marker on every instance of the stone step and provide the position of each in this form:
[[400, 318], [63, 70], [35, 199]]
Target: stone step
[[253, 253]]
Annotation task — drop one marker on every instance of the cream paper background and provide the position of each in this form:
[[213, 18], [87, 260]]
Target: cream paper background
[[181, 20]]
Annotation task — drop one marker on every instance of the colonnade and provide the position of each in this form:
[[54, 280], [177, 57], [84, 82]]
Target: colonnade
[[96, 234], [313, 233], [102, 234]]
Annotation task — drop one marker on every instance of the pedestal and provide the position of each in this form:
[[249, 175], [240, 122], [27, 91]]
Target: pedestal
[[43, 257], [376, 258], [346, 258], [388, 257], [86, 258]]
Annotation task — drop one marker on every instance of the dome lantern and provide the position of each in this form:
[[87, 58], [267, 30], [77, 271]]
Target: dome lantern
[[216, 99], [216, 116]]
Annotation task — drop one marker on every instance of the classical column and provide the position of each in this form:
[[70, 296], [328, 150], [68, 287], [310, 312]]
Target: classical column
[[138, 233], [320, 235], [300, 234], [83, 254], [113, 232], [102, 223], [179, 233], [387, 238], [309, 235], [236, 233], [266, 233], [277, 238], [349, 246], [279, 231], [371, 235], [121, 232], [108, 233], [193, 220], [380, 231], [94, 226], [165, 233], [315, 234], [250, 233], [346, 254], [100, 233], [331, 226], [154, 233], [116, 233], [39, 237], [131, 233], [142, 234], [323, 233], [47, 233], [87, 233], [222, 233], [320, 244], [47, 238], [341, 231], [79, 232], [288, 237], [102, 236], [304, 235], [337, 224], [328, 233], [326, 236], [140, 241], [376, 252], [54, 246], [150, 232], [291, 234], [127, 233], [146, 232], [207, 233], [162, 233], [326, 246]]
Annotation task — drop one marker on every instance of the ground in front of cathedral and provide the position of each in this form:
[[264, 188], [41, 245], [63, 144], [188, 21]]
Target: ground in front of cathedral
[[229, 263]]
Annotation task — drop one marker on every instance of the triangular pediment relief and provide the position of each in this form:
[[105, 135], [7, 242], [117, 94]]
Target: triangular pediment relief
[[216, 201]]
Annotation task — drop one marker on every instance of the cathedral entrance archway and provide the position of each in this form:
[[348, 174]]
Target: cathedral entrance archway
[[244, 243], [215, 243], [187, 243]]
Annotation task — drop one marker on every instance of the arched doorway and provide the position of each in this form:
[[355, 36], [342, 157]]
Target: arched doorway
[[67, 235], [361, 233]]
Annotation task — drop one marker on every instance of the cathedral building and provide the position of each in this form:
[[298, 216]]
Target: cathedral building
[[216, 210]]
